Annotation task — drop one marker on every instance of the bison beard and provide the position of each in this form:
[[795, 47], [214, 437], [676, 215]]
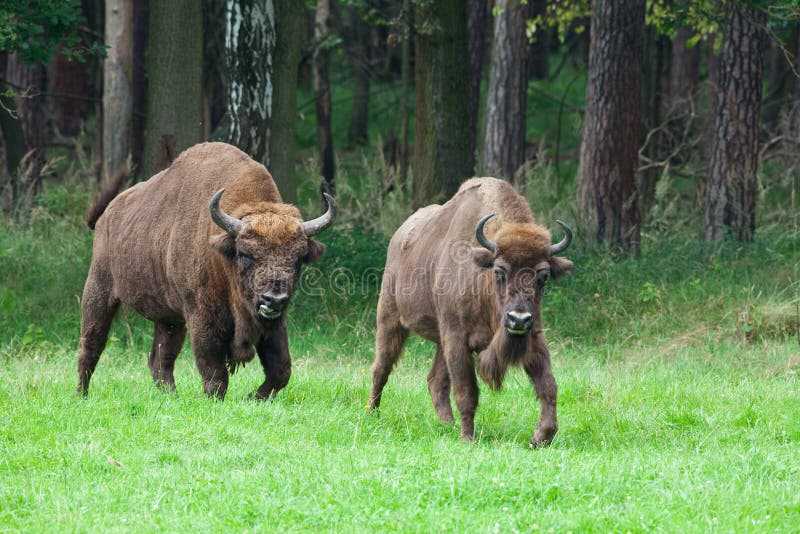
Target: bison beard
[[196, 262], [504, 350]]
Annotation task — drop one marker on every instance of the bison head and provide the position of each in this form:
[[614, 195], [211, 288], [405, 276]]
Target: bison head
[[523, 260], [267, 244]]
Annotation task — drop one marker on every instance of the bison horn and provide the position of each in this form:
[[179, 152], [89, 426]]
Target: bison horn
[[481, 237], [317, 225], [231, 225], [562, 245]]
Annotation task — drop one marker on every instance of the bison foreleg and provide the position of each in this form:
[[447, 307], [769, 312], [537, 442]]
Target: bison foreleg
[[210, 353], [538, 369], [273, 351], [167, 343], [439, 387], [464, 382]]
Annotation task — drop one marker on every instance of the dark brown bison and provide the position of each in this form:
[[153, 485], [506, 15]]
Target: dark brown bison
[[470, 299], [190, 258]]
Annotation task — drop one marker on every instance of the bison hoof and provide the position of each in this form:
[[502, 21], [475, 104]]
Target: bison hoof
[[542, 438]]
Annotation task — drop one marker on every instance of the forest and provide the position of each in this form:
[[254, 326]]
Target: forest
[[659, 140]]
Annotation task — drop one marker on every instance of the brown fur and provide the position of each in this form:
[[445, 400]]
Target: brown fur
[[105, 197], [441, 285], [157, 251]]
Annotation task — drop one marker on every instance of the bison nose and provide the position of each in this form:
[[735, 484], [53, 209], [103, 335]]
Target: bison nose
[[275, 300], [518, 323]]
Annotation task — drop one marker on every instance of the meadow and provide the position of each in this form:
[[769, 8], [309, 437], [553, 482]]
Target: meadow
[[679, 405]]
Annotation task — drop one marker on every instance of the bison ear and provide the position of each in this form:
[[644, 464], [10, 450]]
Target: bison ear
[[559, 266], [315, 251], [482, 257], [224, 244]]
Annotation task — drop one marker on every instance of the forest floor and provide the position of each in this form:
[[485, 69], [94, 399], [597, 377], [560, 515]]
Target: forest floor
[[679, 406]]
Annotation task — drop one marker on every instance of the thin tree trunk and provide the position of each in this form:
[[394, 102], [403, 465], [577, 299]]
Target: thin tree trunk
[[175, 82], [539, 48], [612, 125], [684, 67], [357, 48], [442, 157], [118, 84], [504, 144], [291, 33], [732, 187], [140, 11], [322, 92], [405, 69], [477, 16]]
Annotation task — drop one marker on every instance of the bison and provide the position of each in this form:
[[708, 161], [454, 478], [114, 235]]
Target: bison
[[468, 299], [221, 267]]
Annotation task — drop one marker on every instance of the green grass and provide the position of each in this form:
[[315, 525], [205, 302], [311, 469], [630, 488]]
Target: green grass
[[669, 419]]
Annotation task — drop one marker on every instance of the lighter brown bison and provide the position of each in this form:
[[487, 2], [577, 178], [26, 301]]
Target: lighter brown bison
[[190, 258], [468, 299]]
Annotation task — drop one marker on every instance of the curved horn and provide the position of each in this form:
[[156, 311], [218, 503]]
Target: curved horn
[[562, 245], [317, 225], [231, 225], [481, 237]]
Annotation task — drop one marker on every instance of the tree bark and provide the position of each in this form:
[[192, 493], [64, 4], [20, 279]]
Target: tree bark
[[442, 157], [477, 16], [322, 93], [175, 82], [140, 11], [732, 187], [118, 84], [405, 70], [607, 193], [249, 43], [291, 33], [684, 67], [506, 103]]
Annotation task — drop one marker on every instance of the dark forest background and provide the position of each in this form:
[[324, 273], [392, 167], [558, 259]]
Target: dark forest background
[[628, 117]]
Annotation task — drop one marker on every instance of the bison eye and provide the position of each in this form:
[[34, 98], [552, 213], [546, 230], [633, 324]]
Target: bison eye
[[246, 260], [500, 275]]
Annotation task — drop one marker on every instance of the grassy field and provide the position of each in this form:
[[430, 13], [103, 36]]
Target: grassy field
[[679, 406]]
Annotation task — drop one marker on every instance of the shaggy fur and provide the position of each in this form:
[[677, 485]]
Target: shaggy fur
[[439, 284], [157, 251]]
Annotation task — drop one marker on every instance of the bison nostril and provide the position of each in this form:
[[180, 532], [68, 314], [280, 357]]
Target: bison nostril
[[275, 299]]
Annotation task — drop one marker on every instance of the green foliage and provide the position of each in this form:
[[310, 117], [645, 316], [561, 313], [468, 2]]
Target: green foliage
[[36, 28]]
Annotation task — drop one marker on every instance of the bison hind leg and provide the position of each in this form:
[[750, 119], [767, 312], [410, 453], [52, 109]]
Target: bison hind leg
[[167, 343], [98, 307], [439, 387], [389, 341]]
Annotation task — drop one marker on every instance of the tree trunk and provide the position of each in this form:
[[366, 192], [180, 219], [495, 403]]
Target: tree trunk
[[405, 69], [175, 82], [612, 125], [291, 33], [140, 10], [357, 48], [539, 48], [118, 84], [249, 43], [442, 158], [322, 92], [477, 15], [684, 67], [68, 81], [732, 186], [655, 89], [504, 144]]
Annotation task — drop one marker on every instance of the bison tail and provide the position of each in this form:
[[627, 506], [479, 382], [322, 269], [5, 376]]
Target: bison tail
[[104, 198]]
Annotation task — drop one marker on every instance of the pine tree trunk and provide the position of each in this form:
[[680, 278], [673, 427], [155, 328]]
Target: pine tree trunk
[[732, 187], [175, 82], [607, 195], [118, 84], [405, 76], [685, 66], [322, 92], [442, 157], [506, 103], [477, 16], [291, 33], [357, 48], [140, 11], [249, 44]]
